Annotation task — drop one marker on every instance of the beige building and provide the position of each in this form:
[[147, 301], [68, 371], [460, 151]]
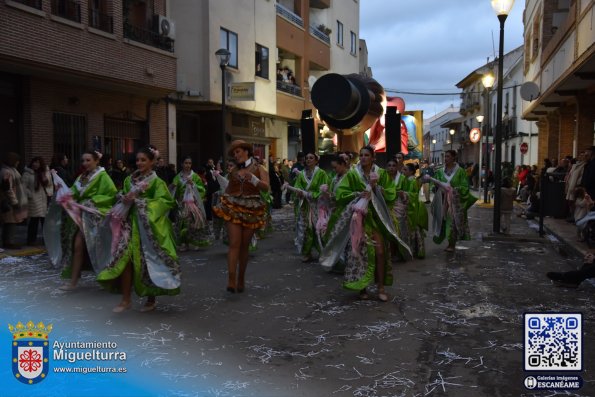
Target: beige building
[[559, 49], [277, 51]]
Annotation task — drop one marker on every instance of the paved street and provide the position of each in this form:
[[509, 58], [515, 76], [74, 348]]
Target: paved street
[[453, 326]]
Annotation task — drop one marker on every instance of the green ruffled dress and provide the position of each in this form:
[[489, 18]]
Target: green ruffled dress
[[446, 226], [147, 242], [306, 211], [183, 232]]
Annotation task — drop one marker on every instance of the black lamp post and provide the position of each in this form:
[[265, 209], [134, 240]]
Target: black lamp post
[[223, 56], [502, 9], [452, 136], [488, 82], [434, 142]]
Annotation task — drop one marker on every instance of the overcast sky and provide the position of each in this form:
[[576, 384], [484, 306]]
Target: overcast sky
[[431, 45]]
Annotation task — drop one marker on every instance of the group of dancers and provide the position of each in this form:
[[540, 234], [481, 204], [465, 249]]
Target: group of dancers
[[362, 218], [358, 217]]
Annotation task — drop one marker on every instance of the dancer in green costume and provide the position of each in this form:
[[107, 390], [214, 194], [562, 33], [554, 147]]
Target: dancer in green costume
[[68, 241], [417, 213], [144, 253], [362, 197], [340, 165], [394, 168], [191, 227], [451, 202], [308, 182]]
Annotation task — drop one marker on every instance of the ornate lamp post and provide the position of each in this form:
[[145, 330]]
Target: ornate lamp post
[[452, 133], [223, 56], [488, 82], [434, 143], [502, 9]]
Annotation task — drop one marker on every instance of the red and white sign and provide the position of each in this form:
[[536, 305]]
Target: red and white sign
[[475, 135], [524, 148]]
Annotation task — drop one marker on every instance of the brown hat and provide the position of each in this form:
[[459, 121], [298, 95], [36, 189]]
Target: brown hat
[[239, 143]]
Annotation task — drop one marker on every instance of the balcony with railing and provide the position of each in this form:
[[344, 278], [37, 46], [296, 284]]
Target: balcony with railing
[[148, 36], [289, 88], [101, 21], [67, 9], [289, 15], [319, 34], [30, 3]]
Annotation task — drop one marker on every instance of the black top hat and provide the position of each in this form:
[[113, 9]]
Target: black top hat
[[342, 101]]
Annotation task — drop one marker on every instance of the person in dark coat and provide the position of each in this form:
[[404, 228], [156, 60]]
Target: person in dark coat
[[60, 164], [276, 182], [212, 187], [588, 180]]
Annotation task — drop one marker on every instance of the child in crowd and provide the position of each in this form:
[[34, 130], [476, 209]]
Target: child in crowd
[[582, 206]]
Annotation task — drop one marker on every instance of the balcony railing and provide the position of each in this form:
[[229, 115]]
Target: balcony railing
[[148, 37], [289, 15], [314, 31], [67, 9], [101, 21], [289, 88], [30, 3]]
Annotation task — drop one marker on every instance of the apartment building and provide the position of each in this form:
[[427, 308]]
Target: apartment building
[[277, 49], [76, 74], [559, 38], [437, 137], [477, 100]]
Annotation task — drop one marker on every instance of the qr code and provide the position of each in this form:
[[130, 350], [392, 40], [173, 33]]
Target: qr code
[[553, 342]]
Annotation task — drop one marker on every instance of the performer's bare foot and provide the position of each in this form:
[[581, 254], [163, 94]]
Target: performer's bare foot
[[122, 306]]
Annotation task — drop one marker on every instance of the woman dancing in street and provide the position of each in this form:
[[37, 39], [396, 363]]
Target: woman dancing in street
[[362, 197], [451, 202], [191, 227], [307, 188], [243, 209], [394, 168], [340, 165], [69, 239], [143, 247], [417, 213]]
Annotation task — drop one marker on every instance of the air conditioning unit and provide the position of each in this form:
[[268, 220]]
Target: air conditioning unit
[[164, 26]]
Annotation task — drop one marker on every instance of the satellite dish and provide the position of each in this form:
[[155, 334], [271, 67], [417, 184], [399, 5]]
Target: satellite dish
[[529, 91], [311, 81]]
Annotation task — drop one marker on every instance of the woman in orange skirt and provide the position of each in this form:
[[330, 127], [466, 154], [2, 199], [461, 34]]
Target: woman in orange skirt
[[243, 210]]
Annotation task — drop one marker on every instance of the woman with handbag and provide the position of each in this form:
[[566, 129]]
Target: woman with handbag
[[38, 184]]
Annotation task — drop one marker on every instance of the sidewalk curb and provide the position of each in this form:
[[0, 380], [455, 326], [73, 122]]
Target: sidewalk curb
[[563, 246]]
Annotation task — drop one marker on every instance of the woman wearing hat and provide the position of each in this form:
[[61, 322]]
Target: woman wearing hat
[[308, 184], [243, 209]]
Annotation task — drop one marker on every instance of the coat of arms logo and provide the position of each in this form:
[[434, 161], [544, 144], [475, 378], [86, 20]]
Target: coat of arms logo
[[30, 351]]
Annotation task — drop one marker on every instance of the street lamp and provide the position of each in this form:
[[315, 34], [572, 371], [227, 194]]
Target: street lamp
[[434, 142], [451, 132], [479, 119], [223, 57], [502, 9], [488, 82]]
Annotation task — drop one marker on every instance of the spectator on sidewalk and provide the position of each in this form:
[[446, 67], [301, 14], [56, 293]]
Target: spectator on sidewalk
[[588, 179], [507, 194], [60, 164], [574, 278], [14, 203], [38, 185], [572, 179], [582, 206]]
